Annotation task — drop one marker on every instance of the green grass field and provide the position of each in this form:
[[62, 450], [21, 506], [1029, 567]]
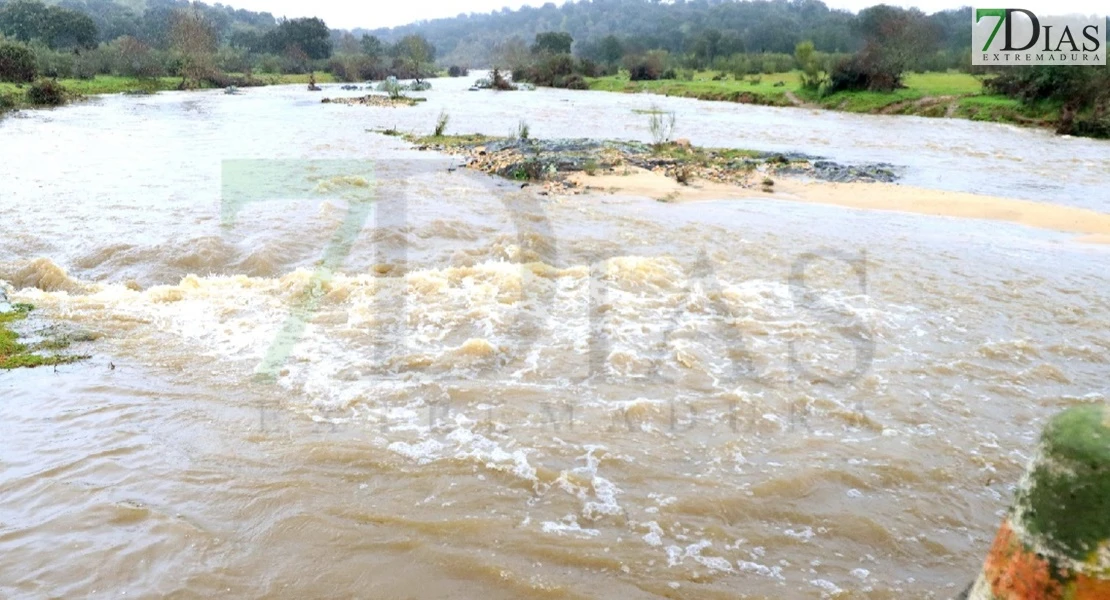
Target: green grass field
[[926, 94]]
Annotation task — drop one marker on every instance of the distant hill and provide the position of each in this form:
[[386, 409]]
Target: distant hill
[[146, 19], [719, 27]]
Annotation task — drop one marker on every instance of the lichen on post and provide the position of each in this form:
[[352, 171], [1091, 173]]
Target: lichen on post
[[1055, 541]]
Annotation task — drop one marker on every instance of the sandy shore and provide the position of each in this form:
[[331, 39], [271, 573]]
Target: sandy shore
[[1093, 227]]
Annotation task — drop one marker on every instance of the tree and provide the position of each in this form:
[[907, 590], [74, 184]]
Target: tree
[[57, 27], [897, 36], [249, 40], [193, 41], [552, 42], [17, 63], [511, 53], [311, 36], [66, 28], [23, 19], [134, 58], [805, 55], [708, 46], [416, 55], [611, 50], [348, 44], [372, 47]]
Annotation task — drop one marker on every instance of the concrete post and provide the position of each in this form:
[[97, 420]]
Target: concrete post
[[1055, 542]]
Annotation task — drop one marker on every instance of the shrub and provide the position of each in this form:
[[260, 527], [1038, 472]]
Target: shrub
[[808, 62], [50, 63], [129, 57], [46, 92], [8, 102], [457, 71], [589, 68], [391, 87], [669, 74], [522, 130], [268, 63], [441, 123], [551, 68], [233, 60], [17, 63], [352, 67], [500, 83], [863, 72], [661, 125], [647, 67], [574, 82]]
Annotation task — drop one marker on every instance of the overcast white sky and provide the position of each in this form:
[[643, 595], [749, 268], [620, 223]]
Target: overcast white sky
[[375, 13]]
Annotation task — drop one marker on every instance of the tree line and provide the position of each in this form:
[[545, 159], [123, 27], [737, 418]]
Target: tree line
[[701, 33], [199, 42]]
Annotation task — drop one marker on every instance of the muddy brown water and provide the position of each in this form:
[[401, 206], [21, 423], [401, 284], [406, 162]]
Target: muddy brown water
[[330, 367]]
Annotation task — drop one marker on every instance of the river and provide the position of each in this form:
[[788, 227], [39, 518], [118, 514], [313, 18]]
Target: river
[[331, 365]]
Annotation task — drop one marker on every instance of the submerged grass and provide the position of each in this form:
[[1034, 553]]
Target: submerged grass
[[702, 156], [15, 354], [446, 141]]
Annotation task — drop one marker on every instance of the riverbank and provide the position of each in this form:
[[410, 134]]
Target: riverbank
[[679, 172], [13, 96], [951, 95], [18, 349]]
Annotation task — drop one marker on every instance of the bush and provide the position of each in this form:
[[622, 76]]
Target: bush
[[647, 67], [129, 57], [457, 71], [268, 63], [46, 92], [17, 63], [392, 87], [499, 82], [1092, 128], [550, 68], [863, 72], [441, 123], [662, 126], [589, 68], [8, 102], [50, 63], [352, 67], [669, 74], [233, 60], [574, 82]]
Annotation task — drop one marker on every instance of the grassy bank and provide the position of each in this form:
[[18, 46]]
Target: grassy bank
[[13, 96], [926, 94], [15, 354]]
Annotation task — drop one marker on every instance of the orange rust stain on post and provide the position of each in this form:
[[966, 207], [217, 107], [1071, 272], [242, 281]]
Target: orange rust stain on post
[[1089, 588], [1015, 573]]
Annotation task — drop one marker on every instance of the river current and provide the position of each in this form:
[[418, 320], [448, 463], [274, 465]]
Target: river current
[[331, 365]]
